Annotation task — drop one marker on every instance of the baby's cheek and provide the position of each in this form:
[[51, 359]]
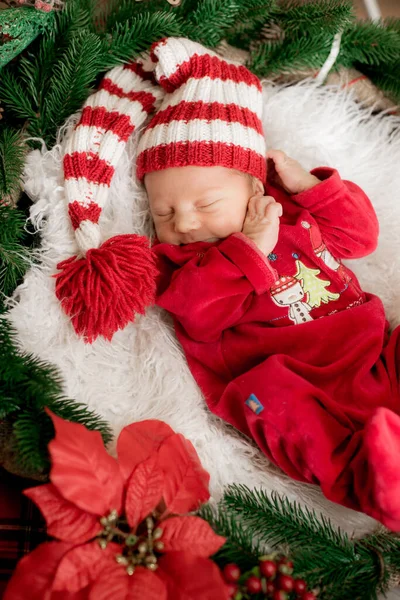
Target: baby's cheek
[[227, 222]]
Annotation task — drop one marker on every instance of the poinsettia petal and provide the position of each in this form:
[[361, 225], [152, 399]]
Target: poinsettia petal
[[144, 491], [33, 577], [189, 577], [138, 441], [185, 480], [82, 565], [64, 520], [116, 583], [192, 534], [82, 471]]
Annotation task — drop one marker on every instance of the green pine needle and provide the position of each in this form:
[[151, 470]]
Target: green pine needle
[[12, 154], [121, 11], [14, 257], [370, 43], [241, 545], [283, 522], [289, 56], [132, 37], [208, 22], [314, 18], [33, 430], [385, 77], [27, 386]]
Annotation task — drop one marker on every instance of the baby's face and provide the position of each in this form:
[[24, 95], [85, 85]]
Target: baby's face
[[197, 204]]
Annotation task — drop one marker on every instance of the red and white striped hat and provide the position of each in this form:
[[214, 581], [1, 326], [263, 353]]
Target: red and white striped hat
[[109, 281], [210, 115]]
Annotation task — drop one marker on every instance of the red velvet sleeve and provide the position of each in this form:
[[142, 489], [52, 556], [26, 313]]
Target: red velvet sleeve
[[212, 292], [344, 214]]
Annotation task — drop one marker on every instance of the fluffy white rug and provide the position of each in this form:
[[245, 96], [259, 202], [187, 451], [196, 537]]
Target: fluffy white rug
[[142, 373]]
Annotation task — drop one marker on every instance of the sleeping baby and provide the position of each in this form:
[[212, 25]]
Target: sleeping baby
[[277, 332]]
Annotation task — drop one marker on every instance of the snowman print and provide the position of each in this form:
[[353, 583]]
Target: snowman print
[[288, 291]]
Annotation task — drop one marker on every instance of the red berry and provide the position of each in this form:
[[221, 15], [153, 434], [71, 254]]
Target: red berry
[[299, 586], [279, 595], [231, 572], [253, 585], [232, 589], [270, 588], [285, 583], [308, 596], [286, 561], [268, 568]]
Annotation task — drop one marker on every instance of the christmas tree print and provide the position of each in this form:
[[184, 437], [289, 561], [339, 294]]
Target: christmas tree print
[[314, 287]]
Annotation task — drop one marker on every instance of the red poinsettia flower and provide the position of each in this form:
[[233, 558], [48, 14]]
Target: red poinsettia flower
[[123, 527]]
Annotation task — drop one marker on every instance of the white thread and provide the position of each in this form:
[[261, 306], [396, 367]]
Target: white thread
[[330, 61]]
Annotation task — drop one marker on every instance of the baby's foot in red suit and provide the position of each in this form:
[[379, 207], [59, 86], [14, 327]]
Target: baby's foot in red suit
[[382, 446]]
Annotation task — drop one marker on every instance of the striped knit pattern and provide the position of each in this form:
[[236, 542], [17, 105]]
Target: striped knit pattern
[[123, 102], [210, 115]]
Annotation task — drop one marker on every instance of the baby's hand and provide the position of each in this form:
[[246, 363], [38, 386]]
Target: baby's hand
[[261, 224], [288, 173]]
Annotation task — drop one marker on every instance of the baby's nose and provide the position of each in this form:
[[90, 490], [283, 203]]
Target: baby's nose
[[186, 223]]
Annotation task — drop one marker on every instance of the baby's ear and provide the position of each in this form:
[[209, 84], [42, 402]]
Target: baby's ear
[[258, 187]]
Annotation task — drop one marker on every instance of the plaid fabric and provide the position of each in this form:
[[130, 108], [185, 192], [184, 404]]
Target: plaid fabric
[[21, 525]]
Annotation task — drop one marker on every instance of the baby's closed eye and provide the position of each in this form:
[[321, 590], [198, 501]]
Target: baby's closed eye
[[212, 203]]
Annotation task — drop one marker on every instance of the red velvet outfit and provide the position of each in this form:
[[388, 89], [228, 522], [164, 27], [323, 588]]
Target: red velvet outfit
[[291, 351]]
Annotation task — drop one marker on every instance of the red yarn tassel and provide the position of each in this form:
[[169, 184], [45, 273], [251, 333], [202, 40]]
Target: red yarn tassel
[[103, 291]]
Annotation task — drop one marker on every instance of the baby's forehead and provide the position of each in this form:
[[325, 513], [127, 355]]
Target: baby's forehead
[[192, 181]]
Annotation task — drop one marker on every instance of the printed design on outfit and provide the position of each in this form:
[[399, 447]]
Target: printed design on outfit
[[254, 403], [322, 252], [290, 291]]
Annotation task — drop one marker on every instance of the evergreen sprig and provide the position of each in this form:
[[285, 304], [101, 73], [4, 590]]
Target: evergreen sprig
[[14, 256], [370, 43], [130, 38], [241, 545], [320, 16], [283, 520], [257, 523], [27, 386], [208, 22], [12, 154]]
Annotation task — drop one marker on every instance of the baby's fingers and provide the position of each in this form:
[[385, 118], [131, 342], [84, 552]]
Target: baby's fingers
[[273, 211], [258, 204]]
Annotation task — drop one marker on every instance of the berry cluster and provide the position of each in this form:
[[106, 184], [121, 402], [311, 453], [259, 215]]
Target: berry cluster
[[272, 578]]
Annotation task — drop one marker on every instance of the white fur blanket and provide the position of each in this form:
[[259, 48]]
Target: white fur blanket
[[142, 373]]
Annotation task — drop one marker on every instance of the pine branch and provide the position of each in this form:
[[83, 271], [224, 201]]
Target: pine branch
[[288, 55], [12, 152], [323, 555], [369, 43], [76, 16], [14, 257], [27, 386], [284, 522], [251, 16], [320, 16], [12, 95], [136, 35], [120, 11], [392, 24], [208, 23], [385, 77], [34, 430], [240, 546], [70, 84]]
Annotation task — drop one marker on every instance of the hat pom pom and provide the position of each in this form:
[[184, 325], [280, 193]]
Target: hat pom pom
[[102, 291]]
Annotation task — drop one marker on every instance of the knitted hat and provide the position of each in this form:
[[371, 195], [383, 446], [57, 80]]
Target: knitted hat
[[103, 287], [211, 114]]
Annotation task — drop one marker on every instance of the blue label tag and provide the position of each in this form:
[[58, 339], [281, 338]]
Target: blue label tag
[[254, 403]]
